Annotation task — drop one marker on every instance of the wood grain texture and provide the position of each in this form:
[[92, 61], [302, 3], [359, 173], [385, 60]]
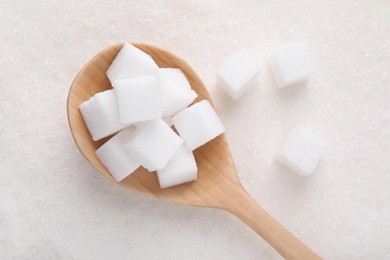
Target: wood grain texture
[[217, 184]]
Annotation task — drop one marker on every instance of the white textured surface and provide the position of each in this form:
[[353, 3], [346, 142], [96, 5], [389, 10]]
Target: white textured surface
[[52, 202]]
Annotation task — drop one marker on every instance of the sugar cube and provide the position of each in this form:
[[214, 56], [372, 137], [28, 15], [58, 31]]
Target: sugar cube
[[180, 169], [168, 120], [153, 144], [117, 161], [238, 74], [101, 115], [198, 124], [302, 151], [176, 92], [291, 64], [131, 62], [139, 99]]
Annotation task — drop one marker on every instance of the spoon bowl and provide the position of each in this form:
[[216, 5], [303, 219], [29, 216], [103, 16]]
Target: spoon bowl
[[217, 184]]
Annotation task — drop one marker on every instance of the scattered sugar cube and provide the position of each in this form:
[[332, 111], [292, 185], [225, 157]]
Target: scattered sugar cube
[[139, 99], [101, 115], [180, 169], [153, 144], [131, 62], [176, 92], [117, 161], [291, 64], [302, 151], [238, 74], [198, 124]]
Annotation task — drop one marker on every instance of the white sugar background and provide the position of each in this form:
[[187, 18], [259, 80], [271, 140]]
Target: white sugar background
[[53, 204]]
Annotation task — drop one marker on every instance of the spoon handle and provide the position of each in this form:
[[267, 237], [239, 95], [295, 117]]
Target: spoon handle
[[245, 208]]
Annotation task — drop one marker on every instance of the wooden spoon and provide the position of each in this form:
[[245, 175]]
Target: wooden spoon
[[217, 185]]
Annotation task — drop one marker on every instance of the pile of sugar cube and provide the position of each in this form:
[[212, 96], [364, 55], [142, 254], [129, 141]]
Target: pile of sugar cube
[[290, 64], [140, 108], [146, 101]]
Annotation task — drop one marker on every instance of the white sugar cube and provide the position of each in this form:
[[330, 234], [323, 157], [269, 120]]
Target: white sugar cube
[[180, 169], [238, 74], [139, 99], [168, 120], [302, 151], [117, 161], [131, 62], [153, 144], [198, 124], [101, 115], [291, 64], [176, 92]]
